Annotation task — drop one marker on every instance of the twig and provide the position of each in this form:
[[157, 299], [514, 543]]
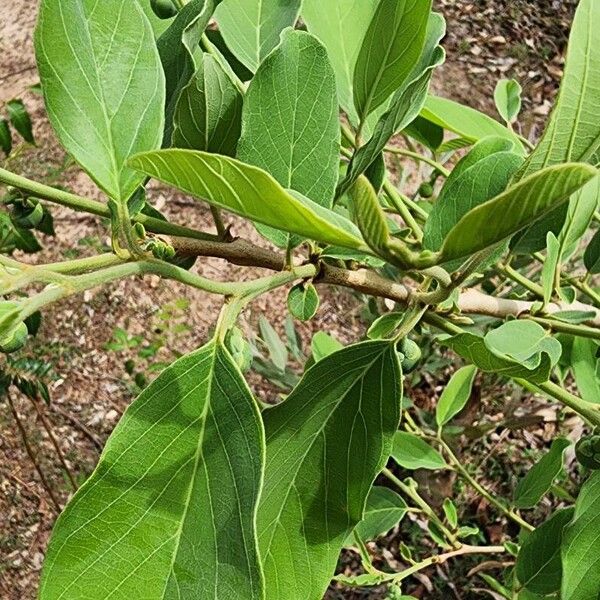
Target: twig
[[48, 428], [78, 425], [427, 510], [456, 463], [31, 455], [419, 158]]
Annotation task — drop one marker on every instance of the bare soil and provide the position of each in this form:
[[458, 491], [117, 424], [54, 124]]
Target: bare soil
[[91, 388]]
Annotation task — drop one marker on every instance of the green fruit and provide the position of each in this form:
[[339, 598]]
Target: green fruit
[[587, 452], [412, 355], [15, 340], [426, 190], [163, 9]]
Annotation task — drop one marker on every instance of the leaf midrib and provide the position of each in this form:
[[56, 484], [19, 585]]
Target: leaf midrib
[[197, 455]]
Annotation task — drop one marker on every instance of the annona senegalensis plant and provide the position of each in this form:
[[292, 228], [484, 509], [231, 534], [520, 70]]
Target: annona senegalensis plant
[[285, 119]]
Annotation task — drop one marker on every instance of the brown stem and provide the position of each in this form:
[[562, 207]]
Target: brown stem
[[471, 301], [48, 428], [78, 425], [31, 455]]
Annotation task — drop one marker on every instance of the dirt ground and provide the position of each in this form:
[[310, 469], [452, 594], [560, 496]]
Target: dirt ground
[[487, 40]]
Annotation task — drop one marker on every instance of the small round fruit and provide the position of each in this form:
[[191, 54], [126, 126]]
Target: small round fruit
[[15, 340], [426, 190], [163, 9], [412, 355]]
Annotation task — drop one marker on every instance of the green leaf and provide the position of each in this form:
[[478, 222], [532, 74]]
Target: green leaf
[[385, 325], [539, 478], [341, 28], [390, 49], [177, 47], [573, 133], [303, 301], [277, 350], [247, 191], [579, 216], [323, 344], [170, 510], [466, 122], [474, 349], [290, 119], [591, 258], [208, 115], [581, 546], [384, 510], [584, 362], [539, 567], [485, 172], [405, 104], [450, 512], [93, 92], [5, 137], [251, 28], [507, 97], [550, 266], [425, 132], [19, 117], [369, 216], [523, 342], [346, 405], [455, 396], [516, 208], [411, 452], [575, 316]]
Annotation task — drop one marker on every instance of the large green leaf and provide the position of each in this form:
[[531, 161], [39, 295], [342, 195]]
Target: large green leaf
[[251, 28], [581, 546], [384, 510], [390, 49], [539, 478], [247, 191], [96, 60], [169, 513], [481, 175], [515, 209], [539, 567], [455, 396], [341, 28], [406, 102], [346, 406], [208, 115], [290, 119], [411, 452], [573, 133], [177, 47], [465, 121]]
